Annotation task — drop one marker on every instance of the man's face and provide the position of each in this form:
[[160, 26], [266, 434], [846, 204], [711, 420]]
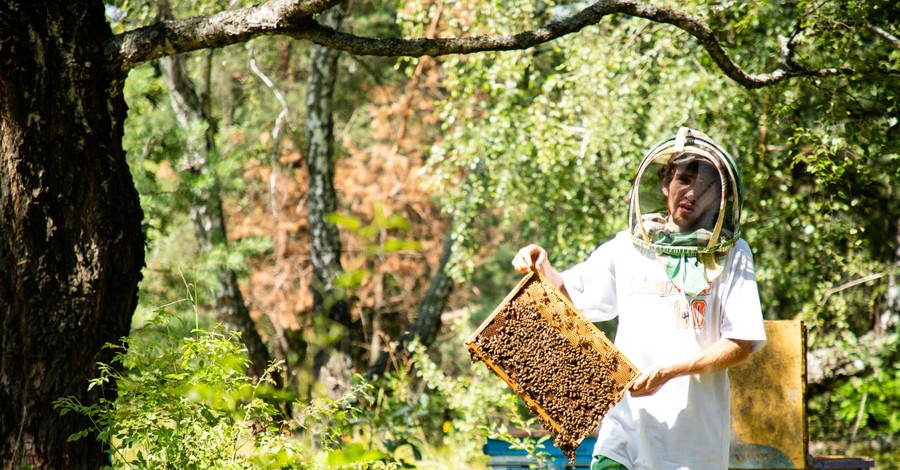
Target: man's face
[[693, 196]]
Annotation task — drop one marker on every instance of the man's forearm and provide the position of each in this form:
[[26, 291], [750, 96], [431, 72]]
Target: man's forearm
[[723, 354]]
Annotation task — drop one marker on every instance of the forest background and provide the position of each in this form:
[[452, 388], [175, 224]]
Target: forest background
[[353, 217]]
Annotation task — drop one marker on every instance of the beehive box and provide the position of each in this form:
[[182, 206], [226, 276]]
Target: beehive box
[[565, 370]]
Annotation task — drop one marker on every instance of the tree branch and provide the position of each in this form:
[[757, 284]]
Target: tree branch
[[893, 40], [591, 15], [295, 18], [171, 37]]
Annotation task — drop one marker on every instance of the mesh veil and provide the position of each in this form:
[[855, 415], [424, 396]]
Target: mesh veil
[[648, 203]]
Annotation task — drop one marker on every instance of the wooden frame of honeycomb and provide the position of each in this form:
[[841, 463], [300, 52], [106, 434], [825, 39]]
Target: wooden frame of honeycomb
[[566, 370]]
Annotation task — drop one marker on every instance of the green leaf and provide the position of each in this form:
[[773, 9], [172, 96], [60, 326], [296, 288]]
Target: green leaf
[[78, 435], [354, 453]]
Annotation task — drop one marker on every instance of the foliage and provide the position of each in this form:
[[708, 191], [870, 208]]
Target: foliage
[[439, 408], [521, 431], [261, 179], [863, 407], [548, 139], [185, 406], [875, 408], [188, 403], [539, 143]]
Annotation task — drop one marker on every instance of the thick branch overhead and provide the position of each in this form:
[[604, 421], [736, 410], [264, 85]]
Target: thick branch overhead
[[295, 18], [164, 38]]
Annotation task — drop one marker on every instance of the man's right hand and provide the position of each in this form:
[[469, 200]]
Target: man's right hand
[[535, 258], [531, 257]]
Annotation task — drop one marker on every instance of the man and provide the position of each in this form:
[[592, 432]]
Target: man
[[682, 283]]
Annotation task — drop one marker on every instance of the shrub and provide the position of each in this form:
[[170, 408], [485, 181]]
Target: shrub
[[188, 403]]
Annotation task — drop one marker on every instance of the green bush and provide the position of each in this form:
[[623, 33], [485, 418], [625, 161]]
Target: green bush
[[184, 400], [188, 403]]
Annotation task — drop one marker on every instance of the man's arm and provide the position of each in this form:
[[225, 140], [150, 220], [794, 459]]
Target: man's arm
[[723, 354]]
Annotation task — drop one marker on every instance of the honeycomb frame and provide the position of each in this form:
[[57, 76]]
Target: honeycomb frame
[[585, 350]]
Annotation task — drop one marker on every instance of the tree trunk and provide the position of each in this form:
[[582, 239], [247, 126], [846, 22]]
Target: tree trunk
[[428, 323], [70, 226], [890, 318], [206, 211], [325, 241]]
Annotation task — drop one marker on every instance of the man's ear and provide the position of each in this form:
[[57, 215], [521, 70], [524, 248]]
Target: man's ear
[[665, 189]]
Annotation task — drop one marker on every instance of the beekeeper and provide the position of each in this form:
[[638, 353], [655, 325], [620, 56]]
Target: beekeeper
[[682, 283]]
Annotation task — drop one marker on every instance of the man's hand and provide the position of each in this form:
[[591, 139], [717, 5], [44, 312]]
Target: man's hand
[[532, 257], [535, 258], [649, 381]]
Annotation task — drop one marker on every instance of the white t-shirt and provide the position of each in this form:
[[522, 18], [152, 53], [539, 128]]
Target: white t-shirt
[[686, 423]]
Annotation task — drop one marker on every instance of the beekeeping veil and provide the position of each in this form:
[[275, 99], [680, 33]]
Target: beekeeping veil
[[692, 260]]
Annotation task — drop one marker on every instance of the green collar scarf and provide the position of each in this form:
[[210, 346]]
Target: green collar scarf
[[686, 270]]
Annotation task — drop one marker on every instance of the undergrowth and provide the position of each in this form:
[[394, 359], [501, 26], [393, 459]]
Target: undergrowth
[[186, 401]]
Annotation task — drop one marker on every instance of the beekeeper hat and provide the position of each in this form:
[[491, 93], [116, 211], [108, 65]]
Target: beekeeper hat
[[647, 198]]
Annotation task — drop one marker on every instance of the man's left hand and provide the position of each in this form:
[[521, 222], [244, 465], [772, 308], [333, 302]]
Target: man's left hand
[[649, 381]]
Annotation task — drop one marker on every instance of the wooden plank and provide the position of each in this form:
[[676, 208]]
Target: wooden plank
[[768, 402], [841, 462]]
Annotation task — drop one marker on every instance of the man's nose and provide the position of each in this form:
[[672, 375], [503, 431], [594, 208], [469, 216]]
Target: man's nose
[[700, 186], [689, 193]]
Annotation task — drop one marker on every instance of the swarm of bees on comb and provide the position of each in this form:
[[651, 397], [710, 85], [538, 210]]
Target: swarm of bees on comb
[[565, 370]]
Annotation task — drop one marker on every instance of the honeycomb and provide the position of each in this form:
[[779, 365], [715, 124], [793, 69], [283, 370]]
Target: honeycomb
[[565, 370]]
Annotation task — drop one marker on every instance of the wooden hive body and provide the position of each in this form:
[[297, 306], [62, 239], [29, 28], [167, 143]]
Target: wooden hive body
[[566, 370]]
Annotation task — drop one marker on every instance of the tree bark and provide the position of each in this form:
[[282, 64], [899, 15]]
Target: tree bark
[[890, 318], [71, 245], [325, 240], [207, 215]]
